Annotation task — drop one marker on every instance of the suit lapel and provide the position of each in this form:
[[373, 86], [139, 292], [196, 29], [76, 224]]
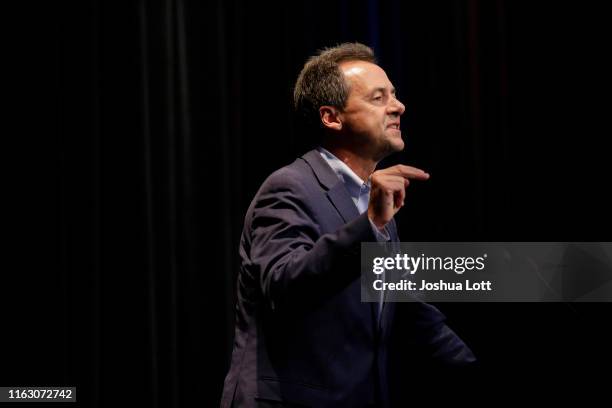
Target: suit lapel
[[336, 191], [343, 202]]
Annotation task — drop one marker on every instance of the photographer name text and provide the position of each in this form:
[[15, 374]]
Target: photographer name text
[[441, 285]]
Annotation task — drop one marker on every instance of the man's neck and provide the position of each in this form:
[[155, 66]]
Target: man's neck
[[362, 167]]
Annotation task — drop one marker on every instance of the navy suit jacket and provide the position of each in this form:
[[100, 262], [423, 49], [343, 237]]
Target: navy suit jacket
[[303, 336]]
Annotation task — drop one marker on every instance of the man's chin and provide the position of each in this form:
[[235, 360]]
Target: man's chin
[[394, 142], [399, 145], [395, 146], [392, 146]]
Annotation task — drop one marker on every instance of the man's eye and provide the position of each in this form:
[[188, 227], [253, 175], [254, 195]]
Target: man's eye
[[378, 98]]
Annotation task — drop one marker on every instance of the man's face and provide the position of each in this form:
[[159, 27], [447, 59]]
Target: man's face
[[372, 113]]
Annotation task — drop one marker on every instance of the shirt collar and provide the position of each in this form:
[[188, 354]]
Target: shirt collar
[[351, 180]]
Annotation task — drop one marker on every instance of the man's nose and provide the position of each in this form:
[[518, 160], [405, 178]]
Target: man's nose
[[397, 107]]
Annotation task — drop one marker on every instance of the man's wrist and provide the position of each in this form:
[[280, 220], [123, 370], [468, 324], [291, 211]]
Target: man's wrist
[[376, 225], [381, 234], [373, 222]]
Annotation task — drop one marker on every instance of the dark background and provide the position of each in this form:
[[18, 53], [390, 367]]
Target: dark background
[[164, 117]]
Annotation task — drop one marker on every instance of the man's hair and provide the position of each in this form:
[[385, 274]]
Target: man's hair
[[321, 82]]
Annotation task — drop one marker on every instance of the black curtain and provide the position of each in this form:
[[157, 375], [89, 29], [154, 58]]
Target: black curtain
[[170, 114]]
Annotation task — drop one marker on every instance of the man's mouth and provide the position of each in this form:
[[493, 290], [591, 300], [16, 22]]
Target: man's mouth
[[394, 126]]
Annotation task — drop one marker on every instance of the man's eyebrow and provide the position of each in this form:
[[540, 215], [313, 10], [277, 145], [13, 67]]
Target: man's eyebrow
[[382, 89]]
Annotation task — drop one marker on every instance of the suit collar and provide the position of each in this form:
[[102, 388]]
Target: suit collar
[[324, 173]]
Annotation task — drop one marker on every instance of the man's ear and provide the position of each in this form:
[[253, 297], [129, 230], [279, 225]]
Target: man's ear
[[331, 117]]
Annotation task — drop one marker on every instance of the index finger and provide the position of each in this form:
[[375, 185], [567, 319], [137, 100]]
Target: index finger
[[407, 172]]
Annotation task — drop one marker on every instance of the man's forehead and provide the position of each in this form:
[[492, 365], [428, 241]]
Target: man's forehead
[[365, 75]]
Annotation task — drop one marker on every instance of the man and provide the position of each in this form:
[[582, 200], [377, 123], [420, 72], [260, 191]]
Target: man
[[303, 336]]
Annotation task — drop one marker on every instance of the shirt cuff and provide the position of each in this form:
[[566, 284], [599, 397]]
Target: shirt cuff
[[381, 235]]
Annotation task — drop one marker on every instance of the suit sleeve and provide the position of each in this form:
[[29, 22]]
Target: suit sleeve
[[296, 263]]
